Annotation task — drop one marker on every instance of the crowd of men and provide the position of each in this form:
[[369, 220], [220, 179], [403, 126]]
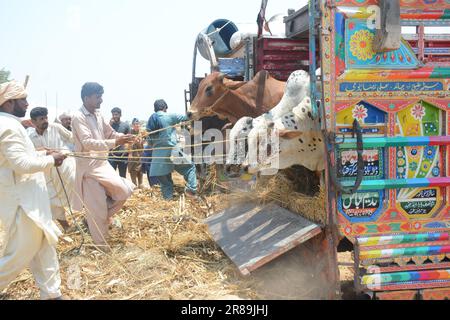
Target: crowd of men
[[50, 167]]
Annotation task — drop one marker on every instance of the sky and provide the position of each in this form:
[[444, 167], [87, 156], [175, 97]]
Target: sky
[[139, 50]]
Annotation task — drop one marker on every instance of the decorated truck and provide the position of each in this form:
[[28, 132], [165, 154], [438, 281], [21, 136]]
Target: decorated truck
[[385, 98], [380, 84]]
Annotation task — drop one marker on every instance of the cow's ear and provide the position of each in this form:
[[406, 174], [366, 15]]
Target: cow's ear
[[289, 134]]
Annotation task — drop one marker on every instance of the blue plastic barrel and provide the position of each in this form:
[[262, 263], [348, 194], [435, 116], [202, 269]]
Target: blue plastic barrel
[[220, 32]]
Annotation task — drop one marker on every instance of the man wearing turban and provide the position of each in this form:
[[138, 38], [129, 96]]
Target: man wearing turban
[[25, 216]]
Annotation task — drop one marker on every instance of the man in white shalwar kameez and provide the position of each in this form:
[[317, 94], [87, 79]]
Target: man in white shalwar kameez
[[98, 187], [55, 137], [31, 234]]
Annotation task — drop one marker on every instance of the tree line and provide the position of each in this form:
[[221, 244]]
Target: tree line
[[4, 75]]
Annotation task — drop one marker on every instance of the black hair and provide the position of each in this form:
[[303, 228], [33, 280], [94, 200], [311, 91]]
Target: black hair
[[116, 110], [160, 105], [91, 88], [38, 112]]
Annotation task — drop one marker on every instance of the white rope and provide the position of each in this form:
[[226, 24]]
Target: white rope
[[219, 29]]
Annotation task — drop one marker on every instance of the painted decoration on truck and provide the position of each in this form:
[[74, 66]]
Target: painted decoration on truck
[[359, 52], [420, 202], [416, 4], [361, 206], [339, 23], [419, 119], [373, 163], [372, 120], [391, 86]]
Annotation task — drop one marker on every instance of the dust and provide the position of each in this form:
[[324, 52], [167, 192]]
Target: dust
[[164, 252]]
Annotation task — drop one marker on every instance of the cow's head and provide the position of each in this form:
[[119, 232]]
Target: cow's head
[[210, 89], [238, 141], [299, 139]]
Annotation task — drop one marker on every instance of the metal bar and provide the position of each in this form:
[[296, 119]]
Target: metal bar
[[426, 23], [407, 276], [427, 37], [421, 43], [403, 238], [410, 251], [373, 185], [385, 142], [431, 266], [312, 57]]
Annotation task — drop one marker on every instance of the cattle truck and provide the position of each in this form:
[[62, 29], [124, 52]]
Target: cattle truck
[[384, 104], [383, 97]]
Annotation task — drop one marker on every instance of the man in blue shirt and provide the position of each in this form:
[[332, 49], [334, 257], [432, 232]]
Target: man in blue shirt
[[119, 159], [165, 144]]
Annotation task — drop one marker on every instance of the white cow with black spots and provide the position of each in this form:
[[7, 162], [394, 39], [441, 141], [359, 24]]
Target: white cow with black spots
[[297, 88], [300, 139]]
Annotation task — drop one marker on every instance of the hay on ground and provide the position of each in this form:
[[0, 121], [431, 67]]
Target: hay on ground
[[162, 251]]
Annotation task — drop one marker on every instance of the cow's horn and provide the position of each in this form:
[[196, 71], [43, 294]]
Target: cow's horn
[[222, 76]]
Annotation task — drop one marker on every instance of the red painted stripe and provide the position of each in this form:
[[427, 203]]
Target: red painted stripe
[[434, 275], [423, 15], [444, 237], [445, 249], [436, 141], [439, 182]]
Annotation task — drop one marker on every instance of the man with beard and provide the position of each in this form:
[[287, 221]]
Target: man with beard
[[31, 234], [66, 120], [98, 187], [117, 158], [54, 136]]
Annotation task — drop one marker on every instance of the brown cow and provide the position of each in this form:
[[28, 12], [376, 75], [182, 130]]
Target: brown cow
[[233, 100]]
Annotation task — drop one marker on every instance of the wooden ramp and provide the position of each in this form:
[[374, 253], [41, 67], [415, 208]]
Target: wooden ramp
[[252, 235]]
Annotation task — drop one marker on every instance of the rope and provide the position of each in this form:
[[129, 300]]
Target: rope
[[107, 244], [138, 159], [144, 135], [153, 149], [219, 29], [166, 128], [71, 212]]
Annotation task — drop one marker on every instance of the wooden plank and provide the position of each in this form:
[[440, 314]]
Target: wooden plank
[[297, 23], [284, 67], [397, 295], [436, 294], [288, 57], [252, 235], [388, 37]]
